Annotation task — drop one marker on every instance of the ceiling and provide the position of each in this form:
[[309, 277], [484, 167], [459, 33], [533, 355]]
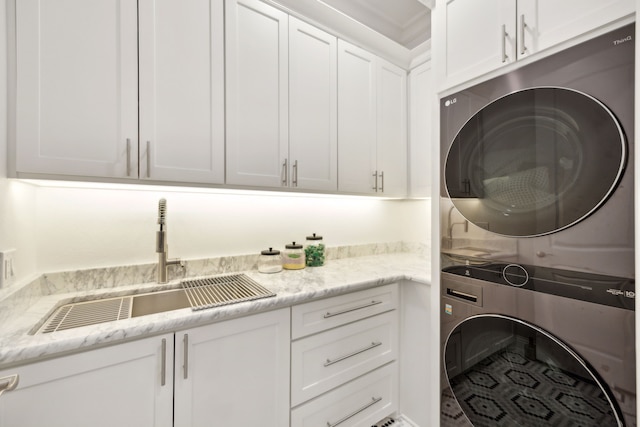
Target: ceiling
[[407, 22]]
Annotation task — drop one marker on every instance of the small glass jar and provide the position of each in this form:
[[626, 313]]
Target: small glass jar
[[270, 261], [314, 251], [293, 257]]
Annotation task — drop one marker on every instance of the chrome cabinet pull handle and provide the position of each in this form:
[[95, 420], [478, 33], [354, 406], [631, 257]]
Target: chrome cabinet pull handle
[[163, 362], [374, 400], [523, 25], [148, 159], [505, 57], [285, 173], [375, 181], [9, 383], [295, 173], [373, 345], [185, 341], [382, 182], [128, 157], [348, 310]]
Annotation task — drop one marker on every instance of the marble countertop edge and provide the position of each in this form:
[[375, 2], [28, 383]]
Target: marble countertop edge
[[18, 346]]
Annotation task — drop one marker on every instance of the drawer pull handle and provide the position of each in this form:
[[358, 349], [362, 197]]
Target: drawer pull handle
[[9, 383], [163, 362], [505, 57], [463, 295], [285, 173], [374, 400], [128, 157], [346, 356], [348, 310], [148, 159], [185, 340]]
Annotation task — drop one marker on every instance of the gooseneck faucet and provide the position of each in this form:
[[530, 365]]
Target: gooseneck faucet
[[161, 244]]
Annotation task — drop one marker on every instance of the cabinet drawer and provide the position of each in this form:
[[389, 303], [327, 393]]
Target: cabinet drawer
[[329, 359], [359, 403], [317, 316]]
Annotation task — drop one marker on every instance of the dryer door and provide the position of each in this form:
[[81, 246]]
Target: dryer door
[[508, 372], [535, 161]]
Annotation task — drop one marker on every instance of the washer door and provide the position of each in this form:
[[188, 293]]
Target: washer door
[[535, 161], [506, 372]]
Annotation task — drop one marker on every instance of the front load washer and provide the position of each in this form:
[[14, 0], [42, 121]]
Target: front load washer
[[535, 346]]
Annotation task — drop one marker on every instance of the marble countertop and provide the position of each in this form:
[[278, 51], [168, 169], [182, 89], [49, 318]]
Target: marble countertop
[[292, 287]]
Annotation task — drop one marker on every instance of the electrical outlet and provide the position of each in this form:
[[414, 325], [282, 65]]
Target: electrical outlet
[[7, 267]]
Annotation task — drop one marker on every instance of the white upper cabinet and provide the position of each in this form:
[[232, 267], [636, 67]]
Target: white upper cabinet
[[356, 119], [545, 23], [77, 88], [313, 103], [371, 123], [421, 96], [391, 138], [182, 90], [257, 64], [281, 100], [479, 37]]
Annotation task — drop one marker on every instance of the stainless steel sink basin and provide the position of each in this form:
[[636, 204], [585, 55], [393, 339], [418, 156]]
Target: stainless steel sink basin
[[197, 294], [158, 302]]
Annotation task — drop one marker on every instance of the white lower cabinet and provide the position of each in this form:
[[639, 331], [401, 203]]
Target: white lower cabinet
[[359, 403], [343, 359], [129, 384], [324, 361], [231, 373], [340, 369], [234, 373]]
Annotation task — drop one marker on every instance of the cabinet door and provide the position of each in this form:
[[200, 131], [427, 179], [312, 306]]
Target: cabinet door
[[313, 116], [234, 373], [356, 119], [421, 96], [124, 385], [76, 93], [257, 94], [480, 37], [182, 90], [549, 22], [391, 150]]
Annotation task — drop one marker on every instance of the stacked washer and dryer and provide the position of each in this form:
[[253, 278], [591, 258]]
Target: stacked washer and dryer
[[538, 290]]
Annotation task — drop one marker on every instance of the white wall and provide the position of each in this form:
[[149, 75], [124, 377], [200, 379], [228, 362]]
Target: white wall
[[17, 200], [95, 227]]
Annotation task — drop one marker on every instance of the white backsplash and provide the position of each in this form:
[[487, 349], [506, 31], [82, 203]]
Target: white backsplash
[[87, 280]]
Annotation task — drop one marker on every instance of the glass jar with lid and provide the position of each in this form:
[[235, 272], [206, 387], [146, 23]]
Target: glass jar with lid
[[270, 261], [293, 257], [314, 251]]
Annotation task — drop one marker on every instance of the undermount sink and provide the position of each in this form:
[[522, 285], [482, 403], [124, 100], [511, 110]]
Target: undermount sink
[[196, 294], [159, 302]]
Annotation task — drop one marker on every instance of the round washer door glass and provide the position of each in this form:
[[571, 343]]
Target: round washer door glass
[[535, 161], [506, 372]]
